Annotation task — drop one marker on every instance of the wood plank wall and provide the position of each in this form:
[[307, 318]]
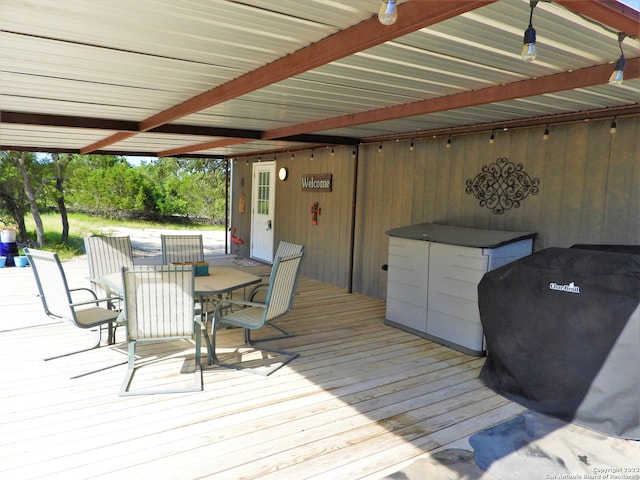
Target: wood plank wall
[[589, 193], [327, 243]]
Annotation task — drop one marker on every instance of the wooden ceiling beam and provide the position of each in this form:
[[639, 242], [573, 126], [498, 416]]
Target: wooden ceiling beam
[[583, 78], [303, 138], [607, 12], [225, 142], [115, 138], [27, 118], [412, 16]]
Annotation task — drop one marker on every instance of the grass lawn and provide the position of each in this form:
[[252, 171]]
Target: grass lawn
[[82, 225]]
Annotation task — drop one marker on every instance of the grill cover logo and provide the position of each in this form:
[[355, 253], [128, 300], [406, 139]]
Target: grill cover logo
[[570, 288]]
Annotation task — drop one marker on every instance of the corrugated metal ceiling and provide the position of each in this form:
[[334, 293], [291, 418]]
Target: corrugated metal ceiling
[[128, 61]]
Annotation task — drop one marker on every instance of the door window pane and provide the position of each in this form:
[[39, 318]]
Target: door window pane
[[263, 192]]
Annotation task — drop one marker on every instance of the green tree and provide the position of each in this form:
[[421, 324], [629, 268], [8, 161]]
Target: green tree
[[32, 176], [108, 186], [189, 187], [60, 166], [13, 201]]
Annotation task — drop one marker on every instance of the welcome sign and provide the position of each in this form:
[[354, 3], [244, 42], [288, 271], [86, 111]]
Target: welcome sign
[[317, 182]]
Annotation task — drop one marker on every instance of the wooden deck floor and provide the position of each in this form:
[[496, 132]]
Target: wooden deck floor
[[361, 401]]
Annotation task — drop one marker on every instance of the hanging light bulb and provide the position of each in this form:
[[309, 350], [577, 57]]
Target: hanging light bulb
[[333, 152], [492, 138], [613, 127], [529, 52], [618, 71], [311, 154], [411, 146], [449, 142], [388, 13], [545, 135], [380, 148]]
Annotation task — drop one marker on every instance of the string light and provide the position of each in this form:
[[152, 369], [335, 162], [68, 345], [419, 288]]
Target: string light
[[529, 52], [618, 71], [388, 13]]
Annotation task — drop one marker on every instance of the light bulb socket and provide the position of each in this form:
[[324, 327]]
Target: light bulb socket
[[529, 52], [529, 35]]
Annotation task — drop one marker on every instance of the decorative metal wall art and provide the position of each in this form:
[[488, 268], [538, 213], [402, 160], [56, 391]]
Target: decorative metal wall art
[[502, 185]]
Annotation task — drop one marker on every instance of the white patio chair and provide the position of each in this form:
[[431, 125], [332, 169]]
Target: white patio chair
[[258, 293], [184, 248], [254, 315], [58, 304], [159, 306], [107, 255], [181, 248]]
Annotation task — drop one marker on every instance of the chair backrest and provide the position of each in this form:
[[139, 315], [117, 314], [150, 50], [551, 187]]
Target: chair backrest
[[158, 302], [52, 284], [181, 248], [107, 255], [286, 248], [282, 285]]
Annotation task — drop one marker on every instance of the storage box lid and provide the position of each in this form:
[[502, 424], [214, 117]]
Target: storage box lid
[[453, 235]]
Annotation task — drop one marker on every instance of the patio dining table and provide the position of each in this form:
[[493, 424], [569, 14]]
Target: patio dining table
[[219, 281]]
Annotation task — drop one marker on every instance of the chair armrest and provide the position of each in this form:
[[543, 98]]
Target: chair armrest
[[256, 289], [229, 302], [83, 289], [96, 301]]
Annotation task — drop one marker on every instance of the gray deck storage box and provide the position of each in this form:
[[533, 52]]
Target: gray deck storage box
[[433, 275]]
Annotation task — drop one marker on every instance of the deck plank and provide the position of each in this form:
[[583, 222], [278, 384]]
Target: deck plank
[[362, 399]]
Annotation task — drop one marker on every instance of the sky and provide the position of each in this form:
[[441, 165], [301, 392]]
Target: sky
[[635, 4], [138, 160]]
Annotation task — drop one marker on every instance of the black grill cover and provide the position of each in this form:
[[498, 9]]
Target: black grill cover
[[563, 336]]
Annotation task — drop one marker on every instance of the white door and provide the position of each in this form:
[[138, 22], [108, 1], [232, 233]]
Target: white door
[[262, 210]]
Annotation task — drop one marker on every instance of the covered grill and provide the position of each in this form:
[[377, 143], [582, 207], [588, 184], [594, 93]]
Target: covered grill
[[562, 328]]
